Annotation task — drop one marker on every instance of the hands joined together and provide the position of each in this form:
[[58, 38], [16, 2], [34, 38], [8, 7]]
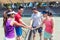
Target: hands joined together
[[31, 28]]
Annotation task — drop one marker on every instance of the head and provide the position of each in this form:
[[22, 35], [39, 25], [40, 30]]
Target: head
[[6, 15], [34, 10], [20, 9], [50, 14], [10, 9], [11, 14], [45, 14]]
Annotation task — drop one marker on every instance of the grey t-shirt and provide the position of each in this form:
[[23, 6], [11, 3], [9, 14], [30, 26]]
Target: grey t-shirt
[[37, 19]]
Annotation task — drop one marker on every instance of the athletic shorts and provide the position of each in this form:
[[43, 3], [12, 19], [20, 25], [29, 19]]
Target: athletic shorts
[[47, 35], [18, 31], [39, 30], [9, 38]]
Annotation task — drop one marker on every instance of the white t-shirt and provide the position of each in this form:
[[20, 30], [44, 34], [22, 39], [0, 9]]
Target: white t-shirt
[[37, 19]]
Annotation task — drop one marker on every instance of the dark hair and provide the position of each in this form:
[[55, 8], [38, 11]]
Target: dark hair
[[45, 12], [20, 7], [34, 8], [5, 17], [49, 14]]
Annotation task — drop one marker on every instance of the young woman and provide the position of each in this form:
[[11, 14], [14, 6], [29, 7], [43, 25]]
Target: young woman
[[5, 16], [9, 26], [48, 21]]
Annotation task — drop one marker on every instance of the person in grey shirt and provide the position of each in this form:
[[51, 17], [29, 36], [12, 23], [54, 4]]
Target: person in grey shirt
[[36, 20]]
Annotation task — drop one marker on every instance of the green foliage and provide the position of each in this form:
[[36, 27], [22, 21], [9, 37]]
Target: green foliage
[[7, 5], [39, 4]]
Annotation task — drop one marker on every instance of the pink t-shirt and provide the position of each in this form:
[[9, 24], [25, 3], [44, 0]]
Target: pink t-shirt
[[49, 26]]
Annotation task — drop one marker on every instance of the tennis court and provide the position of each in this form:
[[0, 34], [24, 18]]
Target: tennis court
[[27, 21]]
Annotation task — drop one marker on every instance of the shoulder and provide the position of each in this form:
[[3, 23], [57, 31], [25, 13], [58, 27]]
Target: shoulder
[[51, 18], [44, 19], [39, 13], [33, 14], [17, 15]]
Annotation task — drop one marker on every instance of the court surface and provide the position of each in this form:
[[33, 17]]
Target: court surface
[[56, 34]]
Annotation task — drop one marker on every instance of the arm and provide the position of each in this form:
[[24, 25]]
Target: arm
[[40, 24], [18, 24], [23, 22], [31, 22], [52, 23], [18, 17]]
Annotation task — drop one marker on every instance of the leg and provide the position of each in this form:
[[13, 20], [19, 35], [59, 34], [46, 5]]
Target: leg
[[40, 32], [19, 38], [51, 38], [40, 36], [45, 39], [34, 35]]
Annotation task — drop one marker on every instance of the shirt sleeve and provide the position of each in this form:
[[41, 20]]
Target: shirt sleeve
[[17, 17], [41, 16]]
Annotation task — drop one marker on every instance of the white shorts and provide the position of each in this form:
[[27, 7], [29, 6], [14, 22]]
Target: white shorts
[[9, 38]]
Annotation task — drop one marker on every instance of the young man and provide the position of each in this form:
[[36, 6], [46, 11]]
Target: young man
[[36, 20], [18, 18]]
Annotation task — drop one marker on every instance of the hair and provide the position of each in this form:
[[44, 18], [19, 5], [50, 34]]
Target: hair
[[49, 14], [20, 7], [34, 8], [5, 17]]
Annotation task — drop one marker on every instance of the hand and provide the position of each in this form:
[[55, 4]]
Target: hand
[[30, 27], [35, 28]]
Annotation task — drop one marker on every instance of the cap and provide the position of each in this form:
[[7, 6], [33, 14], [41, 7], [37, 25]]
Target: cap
[[44, 12], [13, 12]]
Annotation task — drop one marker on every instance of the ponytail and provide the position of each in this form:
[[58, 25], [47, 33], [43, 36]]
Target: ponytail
[[4, 18]]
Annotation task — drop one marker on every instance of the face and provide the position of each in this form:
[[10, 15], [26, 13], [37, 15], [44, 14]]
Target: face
[[45, 15], [21, 10], [12, 15], [34, 11]]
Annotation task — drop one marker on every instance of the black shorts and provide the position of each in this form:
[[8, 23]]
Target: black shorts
[[39, 30]]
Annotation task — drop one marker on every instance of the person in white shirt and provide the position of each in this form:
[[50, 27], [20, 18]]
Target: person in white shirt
[[36, 20]]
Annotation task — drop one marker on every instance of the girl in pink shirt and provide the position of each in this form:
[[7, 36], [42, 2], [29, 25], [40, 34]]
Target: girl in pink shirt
[[48, 21]]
